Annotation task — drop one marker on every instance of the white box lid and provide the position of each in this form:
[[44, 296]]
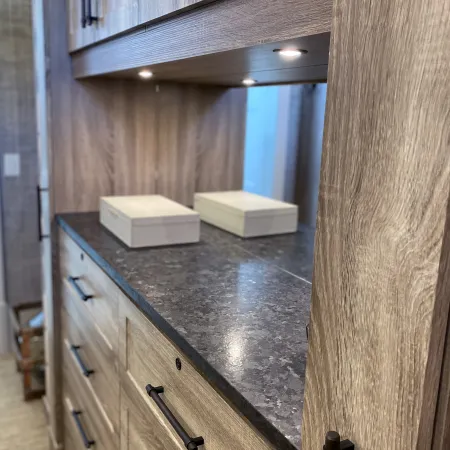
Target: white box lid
[[150, 209], [246, 204]]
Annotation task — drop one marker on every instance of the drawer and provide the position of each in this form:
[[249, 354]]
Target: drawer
[[147, 357], [92, 420], [142, 427], [101, 303], [97, 362]]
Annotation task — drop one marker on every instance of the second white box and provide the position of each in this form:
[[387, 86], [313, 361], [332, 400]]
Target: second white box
[[246, 214], [149, 220]]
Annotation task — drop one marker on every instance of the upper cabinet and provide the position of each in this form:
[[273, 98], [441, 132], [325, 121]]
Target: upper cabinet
[[80, 33], [92, 21]]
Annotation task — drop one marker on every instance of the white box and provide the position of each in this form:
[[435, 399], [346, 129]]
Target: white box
[[245, 214], [149, 220]]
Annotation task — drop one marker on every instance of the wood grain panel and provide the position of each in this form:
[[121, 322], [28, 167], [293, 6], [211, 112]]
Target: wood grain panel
[[102, 308], [144, 140], [77, 35], [147, 357], [218, 168], [141, 428], [380, 300], [219, 27], [114, 16], [77, 397]]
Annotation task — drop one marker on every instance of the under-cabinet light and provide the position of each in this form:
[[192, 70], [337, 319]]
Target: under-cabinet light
[[290, 52], [248, 81], [145, 74]]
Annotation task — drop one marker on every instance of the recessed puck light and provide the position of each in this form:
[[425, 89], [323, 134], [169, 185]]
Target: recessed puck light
[[145, 74], [290, 52], [248, 81]]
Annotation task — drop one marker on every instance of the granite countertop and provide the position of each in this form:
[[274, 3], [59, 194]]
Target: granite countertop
[[237, 308]]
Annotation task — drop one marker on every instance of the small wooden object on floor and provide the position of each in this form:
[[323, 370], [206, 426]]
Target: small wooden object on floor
[[29, 351]]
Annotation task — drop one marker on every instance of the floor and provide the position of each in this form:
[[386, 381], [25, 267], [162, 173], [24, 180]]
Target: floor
[[23, 425]]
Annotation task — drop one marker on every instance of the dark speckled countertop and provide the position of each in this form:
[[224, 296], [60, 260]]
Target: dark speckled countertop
[[237, 308]]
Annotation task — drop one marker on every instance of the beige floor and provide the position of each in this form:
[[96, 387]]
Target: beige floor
[[22, 425]]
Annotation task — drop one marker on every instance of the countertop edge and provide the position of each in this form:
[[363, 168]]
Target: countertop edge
[[217, 381]]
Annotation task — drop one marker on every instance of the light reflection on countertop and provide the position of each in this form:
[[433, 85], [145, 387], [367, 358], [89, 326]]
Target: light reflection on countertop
[[247, 302]]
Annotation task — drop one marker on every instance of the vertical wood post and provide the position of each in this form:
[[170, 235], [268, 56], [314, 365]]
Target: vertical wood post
[[381, 287]]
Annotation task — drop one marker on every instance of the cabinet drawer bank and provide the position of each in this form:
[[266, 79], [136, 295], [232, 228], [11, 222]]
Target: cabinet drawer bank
[[169, 396]]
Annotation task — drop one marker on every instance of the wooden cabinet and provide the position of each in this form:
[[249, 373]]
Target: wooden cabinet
[[118, 352], [147, 357], [115, 16], [150, 10], [80, 33], [111, 17]]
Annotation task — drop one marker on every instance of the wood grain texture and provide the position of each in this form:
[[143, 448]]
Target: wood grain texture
[[147, 357], [219, 27], [259, 62], [141, 428], [18, 135], [78, 397], [380, 300], [441, 432], [144, 140], [102, 309], [78, 36]]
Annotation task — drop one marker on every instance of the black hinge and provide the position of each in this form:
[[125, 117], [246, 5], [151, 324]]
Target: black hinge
[[333, 442]]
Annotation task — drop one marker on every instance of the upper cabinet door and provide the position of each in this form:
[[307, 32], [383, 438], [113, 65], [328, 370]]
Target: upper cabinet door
[[115, 16], [95, 20], [80, 32], [149, 10]]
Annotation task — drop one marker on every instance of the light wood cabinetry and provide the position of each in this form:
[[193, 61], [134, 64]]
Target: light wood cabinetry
[[91, 21], [147, 357], [150, 10], [115, 344], [80, 33]]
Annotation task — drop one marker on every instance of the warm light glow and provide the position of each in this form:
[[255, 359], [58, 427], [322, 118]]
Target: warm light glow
[[290, 52], [248, 82], [145, 74]]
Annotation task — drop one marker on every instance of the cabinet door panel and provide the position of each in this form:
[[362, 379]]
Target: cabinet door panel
[[141, 429], [149, 10], [79, 36], [115, 16]]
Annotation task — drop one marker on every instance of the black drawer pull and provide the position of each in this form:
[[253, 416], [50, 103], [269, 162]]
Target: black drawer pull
[[84, 369], [88, 443], [83, 14], [73, 282], [90, 17], [189, 442]]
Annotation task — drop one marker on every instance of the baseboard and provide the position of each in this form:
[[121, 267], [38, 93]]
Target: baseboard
[[5, 335]]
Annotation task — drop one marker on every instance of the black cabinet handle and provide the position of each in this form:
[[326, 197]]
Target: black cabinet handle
[[189, 442], [39, 213], [83, 14], [88, 443], [90, 17], [83, 296], [86, 372]]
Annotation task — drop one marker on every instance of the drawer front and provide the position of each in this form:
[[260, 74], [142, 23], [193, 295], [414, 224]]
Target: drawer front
[[141, 426], [101, 306], [78, 397], [97, 362], [148, 357]]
